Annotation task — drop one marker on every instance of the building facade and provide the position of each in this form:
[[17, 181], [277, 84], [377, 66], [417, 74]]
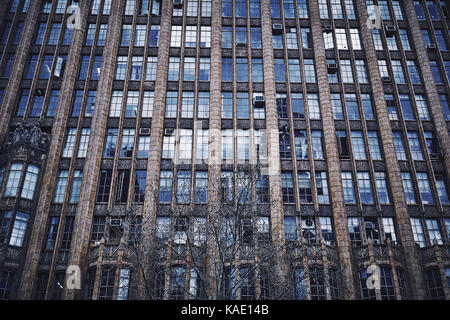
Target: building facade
[[116, 106]]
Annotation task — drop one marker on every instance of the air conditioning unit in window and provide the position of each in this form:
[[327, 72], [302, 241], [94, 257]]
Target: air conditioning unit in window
[[390, 30], [277, 28], [431, 46], [169, 131], [332, 67], [259, 101], [434, 156], [178, 4], [386, 79], [327, 28], [115, 223], [144, 131]]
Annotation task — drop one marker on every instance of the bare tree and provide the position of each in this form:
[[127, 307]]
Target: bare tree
[[220, 251]]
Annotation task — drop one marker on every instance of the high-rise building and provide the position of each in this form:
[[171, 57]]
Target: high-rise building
[[318, 129]]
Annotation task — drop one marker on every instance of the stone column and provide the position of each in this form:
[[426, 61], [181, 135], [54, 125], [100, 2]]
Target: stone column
[[334, 167], [83, 220], [51, 170], [273, 151], [20, 59], [434, 102], [412, 258], [215, 137], [156, 136]]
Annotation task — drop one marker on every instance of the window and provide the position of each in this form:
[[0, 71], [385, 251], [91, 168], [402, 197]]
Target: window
[[185, 144], [12, 184], [139, 185], [61, 185], [356, 41], [242, 105], [187, 104], [440, 39], [354, 230], [287, 185], [387, 284], [442, 191], [365, 188], [242, 69], [171, 104], [305, 186], [346, 71], [301, 144], [317, 144], [177, 283], [419, 236], [381, 185], [241, 36], [408, 188], [413, 72], [282, 108], [424, 188], [165, 186], [143, 147], [19, 229], [389, 229], [203, 105], [227, 69], [391, 43], [323, 9], [243, 145], [435, 289], [433, 10], [9, 64], [398, 10], [104, 185], [341, 39], [349, 190], [436, 72], [420, 12], [84, 141], [285, 144], [361, 71], [294, 70], [227, 144], [52, 103], [310, 73], [256, 38], [30, 181], [46, 67], [136, 68], [297, 105], [76, 186], [378, 44], [404, 39], [107, 275], [374, 147], [127, 145], [291, 39], [279, 70], [121, 68], [414, 145], [257, 70], [445, 106], [398, 71], [306, 37], [343, 146], [313, 106], [399, 147], [201, 187], [227, 105], [359, 150]]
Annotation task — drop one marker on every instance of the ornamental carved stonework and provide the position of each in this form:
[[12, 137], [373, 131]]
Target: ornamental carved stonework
[[27, 135]]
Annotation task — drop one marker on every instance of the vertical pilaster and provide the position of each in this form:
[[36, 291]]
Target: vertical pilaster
[[53, 157], [273, 151], [412, 258], [154, 155], [12, 88], [214, 142], [85, 209], [334, 167], [434, 102]]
